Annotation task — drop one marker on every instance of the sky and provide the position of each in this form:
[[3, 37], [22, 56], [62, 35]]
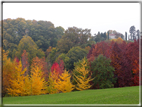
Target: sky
[[95, 16]]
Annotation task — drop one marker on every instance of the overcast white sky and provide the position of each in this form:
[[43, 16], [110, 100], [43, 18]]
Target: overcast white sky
[[95, 16]]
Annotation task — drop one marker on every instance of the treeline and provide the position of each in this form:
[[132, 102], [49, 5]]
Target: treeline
[[124, 58], [108, 64], [41, 59], [41, 33]]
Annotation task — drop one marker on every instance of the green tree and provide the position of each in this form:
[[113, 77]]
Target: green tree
[[75, 54], [52, 56], [11, 49], [132, 32], [103, 72], [26, 43], [40, 53], [52, 36], [103, 35], [100, 37], [73, 37], [64, 45], [59, 31], [43, 33]]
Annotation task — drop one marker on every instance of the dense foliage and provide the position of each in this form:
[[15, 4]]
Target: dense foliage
[[124, 58], [75, 54], [39, 58], [103, 72]]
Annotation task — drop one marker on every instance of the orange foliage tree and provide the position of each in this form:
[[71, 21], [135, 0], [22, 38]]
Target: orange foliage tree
[[87, 48], [42, 64], [8, 70], [136, 73], [48, 50], [25, 63]]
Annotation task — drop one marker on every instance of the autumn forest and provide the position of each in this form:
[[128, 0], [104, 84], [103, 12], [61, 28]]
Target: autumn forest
[[39, 58]]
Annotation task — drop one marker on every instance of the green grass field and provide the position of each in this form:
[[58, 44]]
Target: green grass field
[[126, 95]]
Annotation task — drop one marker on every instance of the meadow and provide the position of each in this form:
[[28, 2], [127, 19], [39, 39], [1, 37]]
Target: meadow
[[125, 95]]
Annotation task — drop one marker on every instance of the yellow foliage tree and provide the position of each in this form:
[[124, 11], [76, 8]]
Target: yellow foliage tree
[[48, 50], [82, 78], [118, 40], [18, 81], [87, 48], [24, 85], [27, 86], [52, 82], [38, 83], [64, 84]]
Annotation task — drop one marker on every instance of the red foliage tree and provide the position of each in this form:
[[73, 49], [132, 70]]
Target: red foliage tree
[[132, 54], [126, 72], [61, 65], [115, 62], [58, 69], [16, 60], [99, 48], [124, 57], [122, 67], [126, 66], [90, 55], [55, 67]]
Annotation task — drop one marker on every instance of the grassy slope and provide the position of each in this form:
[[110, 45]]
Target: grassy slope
[[126, 95]]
